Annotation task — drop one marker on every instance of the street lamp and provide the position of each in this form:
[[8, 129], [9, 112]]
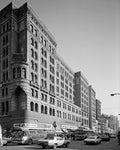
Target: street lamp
[[113, 94]]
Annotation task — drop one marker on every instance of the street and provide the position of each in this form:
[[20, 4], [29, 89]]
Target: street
[[75, 145]]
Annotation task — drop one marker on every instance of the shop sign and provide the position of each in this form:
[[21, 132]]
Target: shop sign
[[27, 125], [69, 127]]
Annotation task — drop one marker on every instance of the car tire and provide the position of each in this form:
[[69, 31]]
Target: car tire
[[43, 146], [55, 146], [30, 142], [66, 145]]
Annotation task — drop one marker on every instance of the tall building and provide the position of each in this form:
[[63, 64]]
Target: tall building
[[98, 114], [92, 108], [36, 85], [81, 99]]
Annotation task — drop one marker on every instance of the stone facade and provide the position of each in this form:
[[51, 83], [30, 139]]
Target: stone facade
[[36, 85]]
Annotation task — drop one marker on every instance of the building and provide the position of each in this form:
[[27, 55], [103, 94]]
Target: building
[[113, 124], [92, 108], [104, 123], [36, 85], [98, 114], [81, 99]]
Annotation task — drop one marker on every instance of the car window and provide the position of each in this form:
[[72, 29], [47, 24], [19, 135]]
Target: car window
[[59, 138], [49, 136]]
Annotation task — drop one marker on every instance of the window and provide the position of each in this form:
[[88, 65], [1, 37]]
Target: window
[[24, 73], [36, 107], [36, 45], [36, 56], [31, 28], [32, 42], [50, 111], [32, 53], [32, 77], [36, 79], [36, 67], [6, 75], [31, 106], [14, 73], [35, 32], [42, 109], [7, 107], [45, 109], [18, 72], [3, 108], [3, 52], [32, 64], [3, 76], [32, 91]]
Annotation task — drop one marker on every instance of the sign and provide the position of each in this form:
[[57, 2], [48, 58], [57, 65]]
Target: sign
[[27, 125]]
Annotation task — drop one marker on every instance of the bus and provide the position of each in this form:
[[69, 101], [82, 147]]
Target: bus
[[21, 135]]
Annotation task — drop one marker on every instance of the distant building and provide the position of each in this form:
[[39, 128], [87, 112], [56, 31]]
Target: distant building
[[113, 123], [81, 99], [92, 108], [98, 114], [104, 123]]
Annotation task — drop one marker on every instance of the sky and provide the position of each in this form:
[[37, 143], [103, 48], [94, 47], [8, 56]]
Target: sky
[[87, 33]]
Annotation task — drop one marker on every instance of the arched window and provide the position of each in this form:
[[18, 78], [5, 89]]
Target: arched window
[[45, 109], [36, 45], [36, 79], [53, 112], [36, 56], [31, 106], [14, 73], [32, 64], [36, 107], [57, 113], [31, 28], [42, 61], [32, 53], [50, 111], [42, 109], [24, 73], [18, 72], [36, 67], [32, 77], [32, 41]]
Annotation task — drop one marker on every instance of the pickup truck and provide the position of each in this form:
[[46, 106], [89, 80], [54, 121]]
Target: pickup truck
[[54, 141]]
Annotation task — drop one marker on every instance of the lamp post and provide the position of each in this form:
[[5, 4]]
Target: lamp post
[[113, 94]]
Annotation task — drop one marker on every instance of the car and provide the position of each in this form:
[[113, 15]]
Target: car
[[105, 137], [54, 141], [4, 142], [93, 139], [112, 135]]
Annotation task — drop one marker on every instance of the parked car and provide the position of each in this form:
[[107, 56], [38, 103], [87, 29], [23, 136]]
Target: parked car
[[6, 140], [54, 141], [105, 137], [93, 139]]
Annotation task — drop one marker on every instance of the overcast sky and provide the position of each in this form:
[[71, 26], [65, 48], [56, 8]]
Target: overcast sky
[[88, 38]]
